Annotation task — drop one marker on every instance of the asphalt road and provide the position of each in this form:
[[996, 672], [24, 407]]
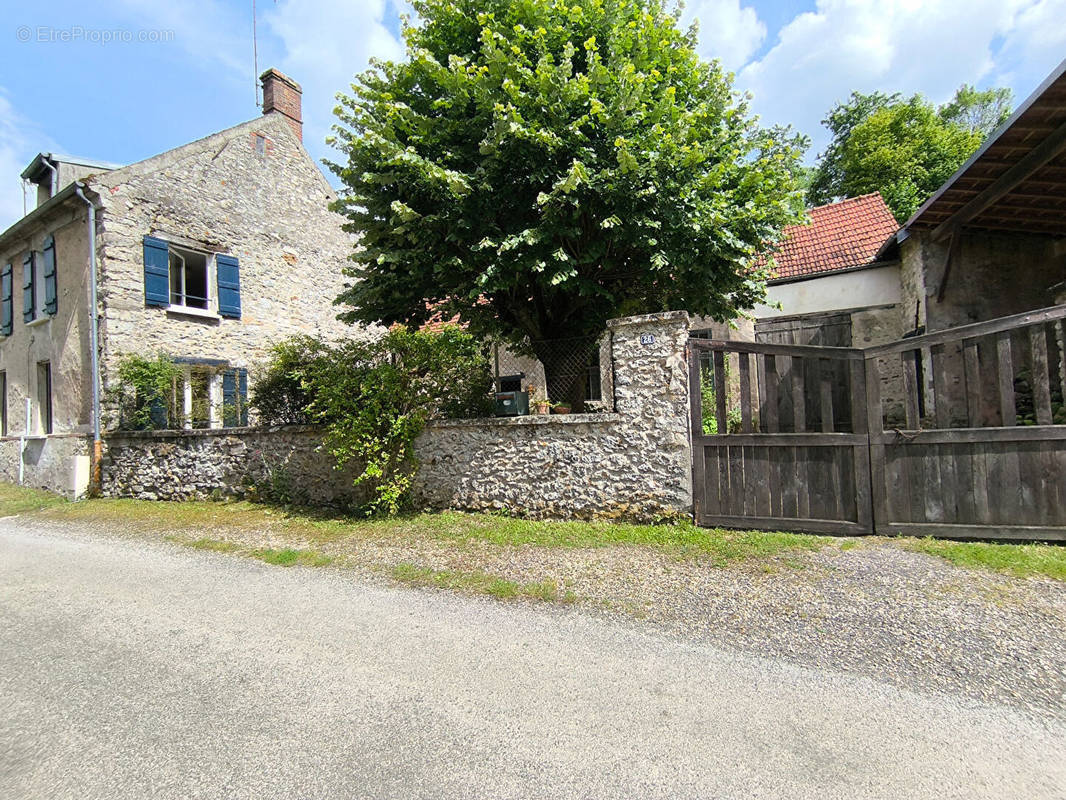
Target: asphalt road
[[133, 670]]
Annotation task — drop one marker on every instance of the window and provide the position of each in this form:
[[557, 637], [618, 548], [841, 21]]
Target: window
[[44, 396], [188, 279], [209, 397], [7, 305], [3, 403], [39, 296]]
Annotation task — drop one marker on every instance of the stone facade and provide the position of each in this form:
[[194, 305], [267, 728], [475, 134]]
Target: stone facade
[[222, 195], [991, 276], [250, 192], [634, 464]]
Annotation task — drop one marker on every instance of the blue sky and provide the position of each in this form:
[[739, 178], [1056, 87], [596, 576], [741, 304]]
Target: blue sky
[[74, 87]]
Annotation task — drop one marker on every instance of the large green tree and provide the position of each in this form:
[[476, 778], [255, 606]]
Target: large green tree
[[537, 167], [904, 148]]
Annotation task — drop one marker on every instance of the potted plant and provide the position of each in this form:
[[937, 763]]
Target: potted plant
[[561, 408], [540, 404]]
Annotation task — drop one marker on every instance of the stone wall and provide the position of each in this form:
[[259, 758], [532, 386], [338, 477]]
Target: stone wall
[[285, 464], [59, 463], [633, 464]]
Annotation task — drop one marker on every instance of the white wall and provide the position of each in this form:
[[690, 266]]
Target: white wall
[[834, 292]]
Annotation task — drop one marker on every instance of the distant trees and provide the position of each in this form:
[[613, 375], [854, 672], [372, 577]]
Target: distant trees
[[904, 148]]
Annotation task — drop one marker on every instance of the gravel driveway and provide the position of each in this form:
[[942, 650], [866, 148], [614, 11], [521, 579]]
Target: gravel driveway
[[130, 670], [866, 607]]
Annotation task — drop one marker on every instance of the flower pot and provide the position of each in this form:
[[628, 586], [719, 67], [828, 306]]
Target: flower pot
[[562, 409], [540, 408]]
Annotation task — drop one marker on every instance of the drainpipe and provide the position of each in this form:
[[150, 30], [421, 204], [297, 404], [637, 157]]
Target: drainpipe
[[55, 176], [95, 476]]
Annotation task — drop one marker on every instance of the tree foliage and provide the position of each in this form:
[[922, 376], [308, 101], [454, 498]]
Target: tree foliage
[[375, 396], [904, 148], [537, 167], [978, 111]]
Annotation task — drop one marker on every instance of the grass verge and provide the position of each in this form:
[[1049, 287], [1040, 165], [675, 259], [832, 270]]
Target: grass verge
[[318, 528], [477, 582], [1021, 560]]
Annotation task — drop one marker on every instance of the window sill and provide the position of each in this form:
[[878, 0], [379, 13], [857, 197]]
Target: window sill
[[39, 321], [200, 313]]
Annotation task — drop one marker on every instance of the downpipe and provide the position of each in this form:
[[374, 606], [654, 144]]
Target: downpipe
[[96, 467]]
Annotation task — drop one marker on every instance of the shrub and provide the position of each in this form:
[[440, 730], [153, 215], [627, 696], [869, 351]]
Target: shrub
[[143, 391], [280, 391], [375, 397]]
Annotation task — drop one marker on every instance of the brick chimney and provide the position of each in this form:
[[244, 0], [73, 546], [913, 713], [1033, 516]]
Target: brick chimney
[[282, 94]]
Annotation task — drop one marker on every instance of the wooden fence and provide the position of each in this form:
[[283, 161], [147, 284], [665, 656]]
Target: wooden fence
[[797, 437]]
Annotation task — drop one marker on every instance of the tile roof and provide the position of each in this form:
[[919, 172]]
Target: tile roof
[[840, 236]]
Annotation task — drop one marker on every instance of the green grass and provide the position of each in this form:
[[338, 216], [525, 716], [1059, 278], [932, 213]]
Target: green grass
[[478, 582], [719, 547], [291, 557], [1021, 560], [21, 500]]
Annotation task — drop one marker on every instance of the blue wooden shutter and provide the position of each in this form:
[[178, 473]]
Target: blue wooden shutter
[[229, 286], [7, 312], [230, 417], [27, 288], [156, 272], [242, 394], [51, 299]]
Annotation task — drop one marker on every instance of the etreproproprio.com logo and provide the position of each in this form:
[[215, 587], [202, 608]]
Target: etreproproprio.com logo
[[51, 34]]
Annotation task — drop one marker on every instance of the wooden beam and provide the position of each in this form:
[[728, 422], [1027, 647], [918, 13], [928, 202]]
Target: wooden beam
[[1040, 155]]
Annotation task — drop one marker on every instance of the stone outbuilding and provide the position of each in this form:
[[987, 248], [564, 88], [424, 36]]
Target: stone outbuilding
[[209, 253]]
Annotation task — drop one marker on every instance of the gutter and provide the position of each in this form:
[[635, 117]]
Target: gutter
[[96, 471]]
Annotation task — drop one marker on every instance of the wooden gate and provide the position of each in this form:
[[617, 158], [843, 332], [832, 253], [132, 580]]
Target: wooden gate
[[773, 444], [978, 448], [959, 433]]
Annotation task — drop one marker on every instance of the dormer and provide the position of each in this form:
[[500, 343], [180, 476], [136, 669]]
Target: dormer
[[51, 172]]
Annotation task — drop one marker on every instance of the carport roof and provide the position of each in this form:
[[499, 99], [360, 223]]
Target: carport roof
[[1016, 181]]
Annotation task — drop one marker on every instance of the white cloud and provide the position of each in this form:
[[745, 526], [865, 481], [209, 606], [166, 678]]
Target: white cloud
[[214, 34], [927, 46], [325, 45], [727, 31]]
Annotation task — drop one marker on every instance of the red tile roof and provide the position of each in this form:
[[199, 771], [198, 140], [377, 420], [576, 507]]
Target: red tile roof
[[840, 236]]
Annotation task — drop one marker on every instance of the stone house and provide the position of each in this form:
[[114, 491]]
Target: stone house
[[209, 252]]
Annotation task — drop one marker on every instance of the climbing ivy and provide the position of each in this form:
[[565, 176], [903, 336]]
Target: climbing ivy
[[142, 391]]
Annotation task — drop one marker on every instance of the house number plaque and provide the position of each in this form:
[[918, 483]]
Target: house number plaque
[[647, 338]]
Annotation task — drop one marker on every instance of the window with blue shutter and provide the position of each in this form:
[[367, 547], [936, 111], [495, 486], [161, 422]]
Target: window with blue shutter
[[156, 272], [7, 311], [234, 398], [48, 256], [229, 286], [28, 312], [242, 395]]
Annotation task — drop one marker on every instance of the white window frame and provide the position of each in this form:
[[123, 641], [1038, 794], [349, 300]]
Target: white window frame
[[214, 397], [211, 312]]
